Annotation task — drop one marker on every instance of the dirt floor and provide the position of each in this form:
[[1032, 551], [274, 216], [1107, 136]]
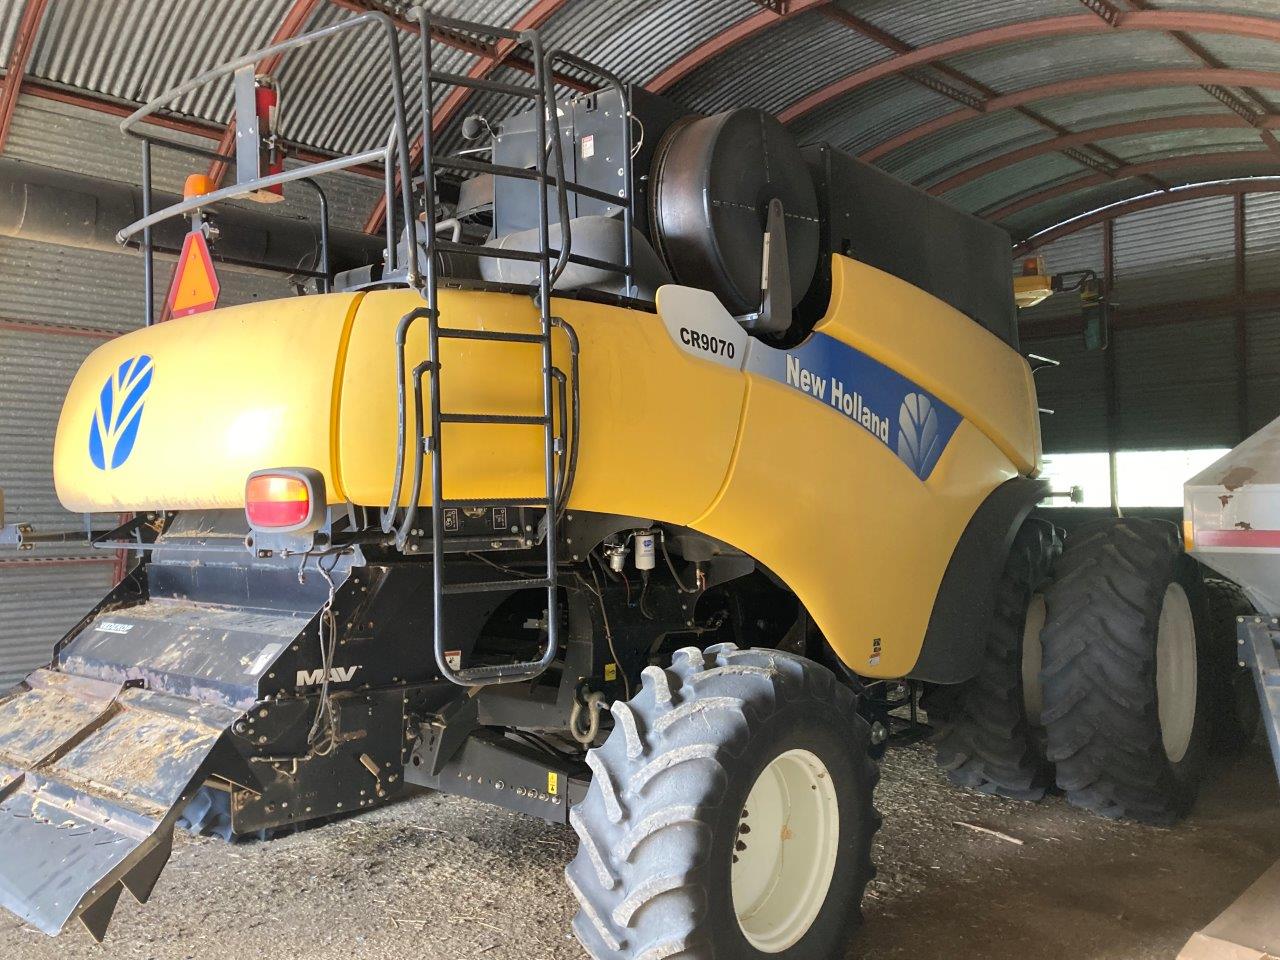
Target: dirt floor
[[437, 878]]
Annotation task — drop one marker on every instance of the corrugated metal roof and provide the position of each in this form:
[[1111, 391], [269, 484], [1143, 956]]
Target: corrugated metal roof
[[1055, 211], [921, 22], [1177, 143], [152, 46], [932, 158], [1262, 7], [762, 71], [1125, 105], [1014, 181], [10, 17], [1032, 63], [1240, 53], [873, 114], [38, 605], [638, 39], [149, 49]]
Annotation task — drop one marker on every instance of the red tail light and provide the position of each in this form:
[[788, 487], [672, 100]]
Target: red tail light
[[285, 500]]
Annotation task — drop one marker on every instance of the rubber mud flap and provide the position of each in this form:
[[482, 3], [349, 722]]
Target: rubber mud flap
[[92, 776]]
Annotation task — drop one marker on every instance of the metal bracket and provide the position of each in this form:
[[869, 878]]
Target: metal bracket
[[775, 277]]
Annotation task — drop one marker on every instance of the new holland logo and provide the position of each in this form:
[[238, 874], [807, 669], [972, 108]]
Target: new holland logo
[[918, 445], [115, 422]]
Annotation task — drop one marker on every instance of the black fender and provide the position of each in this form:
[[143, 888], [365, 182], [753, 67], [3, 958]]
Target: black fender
[[965, 604]]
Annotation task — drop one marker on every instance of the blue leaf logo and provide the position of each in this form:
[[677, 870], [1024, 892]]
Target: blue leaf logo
[[115, 422], [918, 440]]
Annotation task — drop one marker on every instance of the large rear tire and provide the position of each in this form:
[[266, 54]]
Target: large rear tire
[[1127, 677], [729, 816], [988, 740]]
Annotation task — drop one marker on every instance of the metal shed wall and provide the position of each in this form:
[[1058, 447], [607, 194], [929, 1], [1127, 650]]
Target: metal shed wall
[[1195, 344], [39, 602]]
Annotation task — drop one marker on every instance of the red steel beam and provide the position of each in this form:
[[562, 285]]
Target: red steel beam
[[1148, 201], [57, 329], [1083, 137], [24, 43], [46, 562], [1085, 24], [458, 42], [292, 24], [1242, 158], [730, 37], [1104, 83], [531, 19]]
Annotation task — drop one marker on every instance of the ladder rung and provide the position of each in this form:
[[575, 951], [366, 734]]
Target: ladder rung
[[484, 166], [487, 672], [479, 83], [494, 502], [495, 418], [606, 265], [475, 250], [458, 333], [584, 191], [493, 586]]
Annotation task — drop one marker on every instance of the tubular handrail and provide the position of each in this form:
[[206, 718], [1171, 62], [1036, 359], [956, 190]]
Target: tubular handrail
[[237, 190], [394, 154]]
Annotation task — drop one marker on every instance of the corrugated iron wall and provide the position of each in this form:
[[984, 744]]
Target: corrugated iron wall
[[1188, 368], [56, 305]]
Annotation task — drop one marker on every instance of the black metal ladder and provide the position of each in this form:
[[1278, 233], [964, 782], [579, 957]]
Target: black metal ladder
[[556, 472]]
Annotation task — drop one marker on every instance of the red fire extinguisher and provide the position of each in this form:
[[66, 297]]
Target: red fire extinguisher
[[267, 102]]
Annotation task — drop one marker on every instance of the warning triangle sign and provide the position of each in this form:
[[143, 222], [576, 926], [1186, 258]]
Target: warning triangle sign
[[195, 284]]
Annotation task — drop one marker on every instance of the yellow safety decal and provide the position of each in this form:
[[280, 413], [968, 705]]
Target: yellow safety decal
[[610, 672], [553, 783]]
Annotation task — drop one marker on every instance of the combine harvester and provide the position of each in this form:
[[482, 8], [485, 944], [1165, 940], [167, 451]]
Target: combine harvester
[[562, 507]]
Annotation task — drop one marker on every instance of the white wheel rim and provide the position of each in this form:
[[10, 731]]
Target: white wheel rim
[[1176, 673], [785, 852], [1032, 659]]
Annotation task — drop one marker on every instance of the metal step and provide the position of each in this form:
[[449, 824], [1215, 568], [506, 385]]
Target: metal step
[[504, 419], [92, 776], [497, 586], [1259, 639]]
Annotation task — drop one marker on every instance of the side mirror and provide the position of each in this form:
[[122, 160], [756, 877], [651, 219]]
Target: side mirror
[[1095, 316]]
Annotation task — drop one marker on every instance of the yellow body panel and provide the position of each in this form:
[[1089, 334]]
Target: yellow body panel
[[232, 391], [657, 424], [961, 362], [666, 434]]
